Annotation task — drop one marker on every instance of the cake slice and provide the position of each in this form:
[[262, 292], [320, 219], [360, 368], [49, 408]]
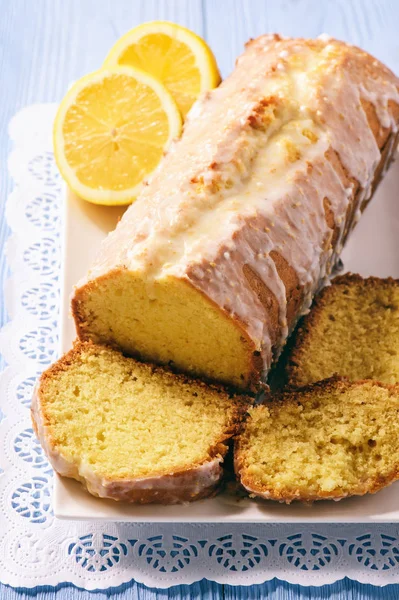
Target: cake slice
[[331, 439], [352, 329], [130, 431]]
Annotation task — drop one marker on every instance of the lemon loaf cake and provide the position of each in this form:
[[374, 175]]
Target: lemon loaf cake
[[130, 431], [331, 439], [245, 216], [352, 330]]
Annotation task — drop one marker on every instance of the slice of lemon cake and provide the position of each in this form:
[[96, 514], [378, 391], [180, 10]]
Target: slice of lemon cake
[[330, 440], [352, 330], [133, 432]]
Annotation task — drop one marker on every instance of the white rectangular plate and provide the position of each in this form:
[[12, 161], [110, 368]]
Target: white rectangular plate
[[372, 250]]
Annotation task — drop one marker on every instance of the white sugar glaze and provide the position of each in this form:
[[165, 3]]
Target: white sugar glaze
[[250, 176]]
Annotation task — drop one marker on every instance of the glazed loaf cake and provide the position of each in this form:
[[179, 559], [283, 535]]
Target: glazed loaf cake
[[244, 219]]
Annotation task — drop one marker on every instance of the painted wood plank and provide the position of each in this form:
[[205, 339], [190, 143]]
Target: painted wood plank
[[203, 590], [367, 23], [342, 590], [275, 590]]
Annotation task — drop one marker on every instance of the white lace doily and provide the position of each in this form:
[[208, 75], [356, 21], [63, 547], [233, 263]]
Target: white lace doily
[[37, 549]]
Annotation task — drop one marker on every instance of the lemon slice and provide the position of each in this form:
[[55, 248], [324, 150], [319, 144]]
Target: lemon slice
[[111, 131], [171, 53]]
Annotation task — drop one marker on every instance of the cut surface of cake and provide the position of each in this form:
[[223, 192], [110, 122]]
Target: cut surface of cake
[[246, 214], [352, 330], [131, 431], [329, 440]]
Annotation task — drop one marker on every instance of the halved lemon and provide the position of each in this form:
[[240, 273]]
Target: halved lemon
[[171, 53], [111, 131]]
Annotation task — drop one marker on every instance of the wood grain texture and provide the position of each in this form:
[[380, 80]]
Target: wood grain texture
[[275, 590], [46, 44]]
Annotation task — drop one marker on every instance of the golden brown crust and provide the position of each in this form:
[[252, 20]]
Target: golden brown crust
[[310, 322], [302, 396], [163, 487]]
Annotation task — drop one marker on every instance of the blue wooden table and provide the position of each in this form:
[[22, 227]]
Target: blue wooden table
[[45, 44]]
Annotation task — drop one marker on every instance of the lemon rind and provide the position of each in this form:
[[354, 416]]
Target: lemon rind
[[205, 59]]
